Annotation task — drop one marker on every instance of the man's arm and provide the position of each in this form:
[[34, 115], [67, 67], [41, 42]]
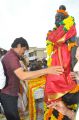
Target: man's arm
[[34, 74]]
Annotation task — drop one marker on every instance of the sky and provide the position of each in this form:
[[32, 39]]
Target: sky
[[31, 19]]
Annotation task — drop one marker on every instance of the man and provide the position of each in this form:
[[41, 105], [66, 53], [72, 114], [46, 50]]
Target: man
[[14, 73]]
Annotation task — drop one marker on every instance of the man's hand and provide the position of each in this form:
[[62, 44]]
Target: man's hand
[[59, 106], [62, 108], [72, 75], [55, 70]]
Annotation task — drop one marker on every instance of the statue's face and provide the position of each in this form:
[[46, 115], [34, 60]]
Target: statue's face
[[58, 18]]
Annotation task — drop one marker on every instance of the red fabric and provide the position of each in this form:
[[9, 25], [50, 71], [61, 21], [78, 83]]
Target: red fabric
[[56, 34], [60, 83], [63, 82], [72, 32]]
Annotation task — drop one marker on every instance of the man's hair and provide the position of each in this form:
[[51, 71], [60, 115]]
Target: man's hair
[[20, 41]]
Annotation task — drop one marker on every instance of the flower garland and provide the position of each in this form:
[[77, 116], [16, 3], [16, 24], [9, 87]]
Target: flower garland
[[68, 23], [62, 11], [49, 50]]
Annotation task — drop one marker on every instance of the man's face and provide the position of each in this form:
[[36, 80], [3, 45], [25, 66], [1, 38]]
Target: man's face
[[21, 50]]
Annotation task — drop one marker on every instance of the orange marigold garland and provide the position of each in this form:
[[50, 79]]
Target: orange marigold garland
[[62, 11]]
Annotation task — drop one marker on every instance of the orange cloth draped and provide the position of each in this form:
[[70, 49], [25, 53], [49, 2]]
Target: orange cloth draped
[[58, 85], [33, 85]]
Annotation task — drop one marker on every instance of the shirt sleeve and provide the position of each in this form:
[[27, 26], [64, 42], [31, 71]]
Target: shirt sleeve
[[14, 64]]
